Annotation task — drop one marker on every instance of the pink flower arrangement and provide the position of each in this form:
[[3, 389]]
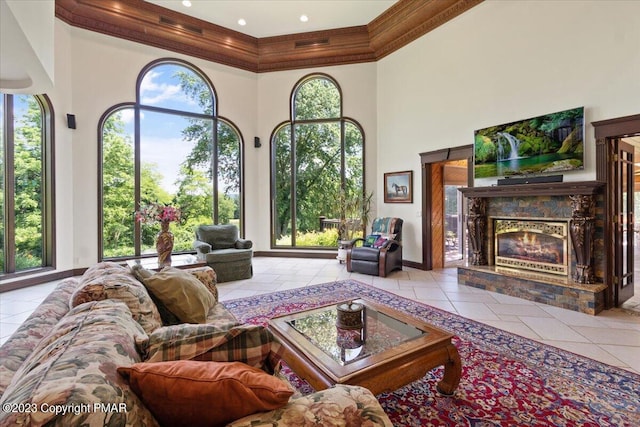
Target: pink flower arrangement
[[155, 212]]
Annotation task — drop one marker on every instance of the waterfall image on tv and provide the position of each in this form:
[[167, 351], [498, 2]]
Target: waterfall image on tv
[[541, 145]]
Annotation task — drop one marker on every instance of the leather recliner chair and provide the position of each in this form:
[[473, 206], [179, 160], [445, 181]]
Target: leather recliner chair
[[381, 251]]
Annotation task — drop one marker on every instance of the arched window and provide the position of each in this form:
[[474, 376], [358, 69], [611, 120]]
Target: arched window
[[26, 184], [169, 147], [318, 160]]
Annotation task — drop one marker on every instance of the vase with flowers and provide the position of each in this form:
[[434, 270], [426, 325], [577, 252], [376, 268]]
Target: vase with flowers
[[155, 213]]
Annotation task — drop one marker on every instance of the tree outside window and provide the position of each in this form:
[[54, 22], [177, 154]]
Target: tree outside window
[[318, 157], [185, 156], [26, 211]]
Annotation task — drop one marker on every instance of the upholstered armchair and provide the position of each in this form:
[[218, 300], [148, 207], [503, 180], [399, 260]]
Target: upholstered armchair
[[222, 249], [380, 252]]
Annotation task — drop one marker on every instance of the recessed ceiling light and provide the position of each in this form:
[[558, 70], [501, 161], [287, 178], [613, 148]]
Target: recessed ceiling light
[[242, 22], [186, 3], [304, 18]]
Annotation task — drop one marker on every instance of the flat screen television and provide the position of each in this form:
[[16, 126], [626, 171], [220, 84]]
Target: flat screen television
[[548, 144]]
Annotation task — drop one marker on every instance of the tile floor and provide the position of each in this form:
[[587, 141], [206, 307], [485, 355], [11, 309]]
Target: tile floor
[[611, 337]]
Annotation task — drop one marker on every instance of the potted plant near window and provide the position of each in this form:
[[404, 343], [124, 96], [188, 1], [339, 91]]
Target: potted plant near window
[[355, 213]]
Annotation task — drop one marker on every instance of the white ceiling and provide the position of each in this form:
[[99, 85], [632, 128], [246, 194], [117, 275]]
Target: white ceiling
[[26, 46], [266, 18]]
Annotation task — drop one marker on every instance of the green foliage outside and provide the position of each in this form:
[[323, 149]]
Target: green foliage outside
[[311, 153], [194, 195], [117, 189], [194, 198], [27, 165], [328, 237]]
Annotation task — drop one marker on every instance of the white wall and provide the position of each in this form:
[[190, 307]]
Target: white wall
[[27, 46], [64, 151], [500, 62], [102, 72]]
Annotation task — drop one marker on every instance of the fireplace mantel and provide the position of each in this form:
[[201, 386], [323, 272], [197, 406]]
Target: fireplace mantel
[[576, 200], [546, 189]]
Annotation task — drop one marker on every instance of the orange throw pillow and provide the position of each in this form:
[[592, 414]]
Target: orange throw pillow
[[191, 393]]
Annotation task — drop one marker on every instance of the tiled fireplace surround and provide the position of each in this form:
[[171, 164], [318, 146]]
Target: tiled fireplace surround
[[580, 204]]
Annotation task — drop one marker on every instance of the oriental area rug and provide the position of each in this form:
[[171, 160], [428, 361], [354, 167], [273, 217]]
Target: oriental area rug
[[507, 380]]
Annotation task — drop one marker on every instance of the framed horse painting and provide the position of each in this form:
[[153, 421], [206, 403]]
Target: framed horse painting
[[398, 187]]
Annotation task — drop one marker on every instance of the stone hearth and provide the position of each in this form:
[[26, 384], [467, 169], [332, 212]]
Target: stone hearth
[[579, 205]]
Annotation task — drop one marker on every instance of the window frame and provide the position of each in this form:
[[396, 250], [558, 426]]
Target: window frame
[[139, 107], [291, 124], [47, 141]]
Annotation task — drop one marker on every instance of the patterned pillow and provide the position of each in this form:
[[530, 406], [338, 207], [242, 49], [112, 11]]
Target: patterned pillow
[[74, 366], [208, 278], [340, 405], [118, 284], [380, 242], [370, 240], [250, 344], [383, 238]]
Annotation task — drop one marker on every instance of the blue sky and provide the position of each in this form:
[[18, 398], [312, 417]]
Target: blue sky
[[161, 134]]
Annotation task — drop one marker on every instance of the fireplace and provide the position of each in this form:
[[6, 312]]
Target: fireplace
[[543, 242], [540, 246]]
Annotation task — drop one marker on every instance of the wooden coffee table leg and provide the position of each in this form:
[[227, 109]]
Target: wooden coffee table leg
[[452, 372]]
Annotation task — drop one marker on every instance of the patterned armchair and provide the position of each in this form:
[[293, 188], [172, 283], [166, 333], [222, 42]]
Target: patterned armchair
[[380, 252], [222, 249]]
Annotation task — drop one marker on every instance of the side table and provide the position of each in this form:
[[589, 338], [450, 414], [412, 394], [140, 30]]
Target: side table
[[343, 246]]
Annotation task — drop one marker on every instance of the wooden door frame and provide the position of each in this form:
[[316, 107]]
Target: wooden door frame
[[605, 131], [427, 159]]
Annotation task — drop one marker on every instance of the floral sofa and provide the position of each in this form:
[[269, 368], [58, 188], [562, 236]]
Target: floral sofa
[[110, 348]]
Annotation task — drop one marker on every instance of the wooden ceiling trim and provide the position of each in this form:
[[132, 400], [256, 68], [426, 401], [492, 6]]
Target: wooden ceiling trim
[[334, 47], [140, 21], [143, 22], [407, 21]]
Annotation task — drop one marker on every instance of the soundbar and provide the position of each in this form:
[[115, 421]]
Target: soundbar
[[530, 180]]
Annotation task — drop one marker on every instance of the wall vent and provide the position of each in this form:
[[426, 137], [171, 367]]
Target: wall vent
[[312, 43], [175, 24]]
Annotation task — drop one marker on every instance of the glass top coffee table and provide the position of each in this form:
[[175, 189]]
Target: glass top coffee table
[[177, 261], [388, 351]]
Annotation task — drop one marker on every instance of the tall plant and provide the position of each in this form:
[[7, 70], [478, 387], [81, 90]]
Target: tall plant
[[355, 213]]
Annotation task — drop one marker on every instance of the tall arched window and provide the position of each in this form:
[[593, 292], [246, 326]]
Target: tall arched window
[[26, 184], [169, 147], [318, 160]]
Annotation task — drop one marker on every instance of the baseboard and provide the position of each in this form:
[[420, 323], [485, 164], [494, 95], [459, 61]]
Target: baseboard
[[413, 264], [25, 282], [292, 254]]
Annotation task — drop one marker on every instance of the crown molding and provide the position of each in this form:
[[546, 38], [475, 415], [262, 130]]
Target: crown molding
[[143, 22], [409, 20]]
